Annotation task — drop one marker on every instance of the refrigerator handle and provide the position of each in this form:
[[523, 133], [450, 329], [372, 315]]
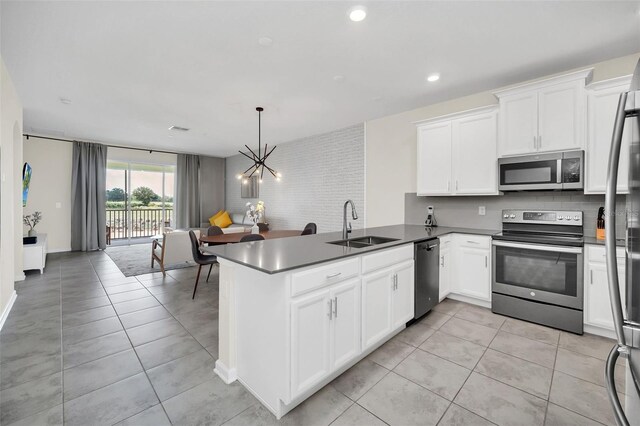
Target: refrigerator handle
[[610, 214]]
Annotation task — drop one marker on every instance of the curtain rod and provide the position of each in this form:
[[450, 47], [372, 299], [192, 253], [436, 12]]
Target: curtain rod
[[27, 135]]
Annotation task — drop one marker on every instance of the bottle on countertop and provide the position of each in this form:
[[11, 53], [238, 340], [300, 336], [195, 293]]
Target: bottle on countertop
[[431, 217], [600, 224]]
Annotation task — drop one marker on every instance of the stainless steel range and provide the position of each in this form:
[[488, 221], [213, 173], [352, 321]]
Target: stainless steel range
[[538, 268]]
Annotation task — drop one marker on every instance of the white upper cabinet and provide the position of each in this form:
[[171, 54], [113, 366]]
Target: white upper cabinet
[[548, 115], [434, 159], [474, 161], [602, 103], [457, 154]]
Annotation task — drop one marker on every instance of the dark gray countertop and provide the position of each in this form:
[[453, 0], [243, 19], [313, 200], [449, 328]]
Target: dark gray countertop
[[285, 254], [594, 240]]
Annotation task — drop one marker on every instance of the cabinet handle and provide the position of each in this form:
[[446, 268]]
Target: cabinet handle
[[330, 309], [393, 282], [472, 242], [486, 261], [396, 275], [456, 185], [334, 275], [442, 261], [591, 276], [535, 143], [335, 307]]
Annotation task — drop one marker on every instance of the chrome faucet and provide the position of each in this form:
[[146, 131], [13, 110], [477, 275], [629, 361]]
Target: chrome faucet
[[347, 229]]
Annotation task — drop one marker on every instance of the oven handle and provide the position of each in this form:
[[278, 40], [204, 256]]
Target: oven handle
[[539, 247]]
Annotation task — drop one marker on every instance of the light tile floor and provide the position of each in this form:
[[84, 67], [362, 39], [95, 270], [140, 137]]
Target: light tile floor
[[85, 345]]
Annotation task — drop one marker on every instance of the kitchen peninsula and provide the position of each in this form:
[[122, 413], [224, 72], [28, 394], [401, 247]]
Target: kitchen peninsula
[[294, 313]]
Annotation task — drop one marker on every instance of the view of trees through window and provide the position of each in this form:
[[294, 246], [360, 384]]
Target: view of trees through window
[[139, 198]]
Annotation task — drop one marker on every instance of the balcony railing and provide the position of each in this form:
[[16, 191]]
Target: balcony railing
[[143, 222]]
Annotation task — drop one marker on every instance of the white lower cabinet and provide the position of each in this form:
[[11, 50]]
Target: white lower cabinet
[[345, 323], [445, 266], [465, 266], [474, 263], [325, 333], [597, 304], [310, 327], [376, 306], [332, 325]]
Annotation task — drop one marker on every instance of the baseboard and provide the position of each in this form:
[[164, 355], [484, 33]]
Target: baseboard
[[59, 250], [598, 331], [227, 375], [20, 277], [6, 311], [467, 299]]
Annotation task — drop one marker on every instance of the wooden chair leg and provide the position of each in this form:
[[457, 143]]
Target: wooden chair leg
[[196, 286], [209, 274]]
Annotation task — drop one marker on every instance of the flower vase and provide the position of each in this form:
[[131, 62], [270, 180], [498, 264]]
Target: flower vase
[[255, 229], [32, 232]]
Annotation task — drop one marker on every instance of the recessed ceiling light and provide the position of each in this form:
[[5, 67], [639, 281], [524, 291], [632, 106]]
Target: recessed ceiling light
[[433, 77], [357, 13], [265, 41], [65, 101]]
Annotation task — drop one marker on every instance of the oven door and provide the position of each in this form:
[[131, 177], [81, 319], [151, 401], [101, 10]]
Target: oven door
[[544, 273]]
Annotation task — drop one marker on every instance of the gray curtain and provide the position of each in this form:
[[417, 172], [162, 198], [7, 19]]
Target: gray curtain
[[88, 193], [187, 199]]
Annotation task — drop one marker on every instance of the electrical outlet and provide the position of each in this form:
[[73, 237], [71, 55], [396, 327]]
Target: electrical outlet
[[482, 210], [58, 205]]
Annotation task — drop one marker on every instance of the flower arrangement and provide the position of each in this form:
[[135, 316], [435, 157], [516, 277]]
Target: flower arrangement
[[255, 213], [32, 221]]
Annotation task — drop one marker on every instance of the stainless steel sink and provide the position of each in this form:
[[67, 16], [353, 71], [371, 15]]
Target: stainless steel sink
[[363, 242]]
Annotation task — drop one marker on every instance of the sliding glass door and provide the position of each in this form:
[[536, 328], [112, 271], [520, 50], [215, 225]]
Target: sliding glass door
[[139, 200]]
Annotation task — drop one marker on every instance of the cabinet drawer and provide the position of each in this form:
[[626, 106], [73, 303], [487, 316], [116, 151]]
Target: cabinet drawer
[[597, 253], [386, 258], [304, 281], [478, 241]]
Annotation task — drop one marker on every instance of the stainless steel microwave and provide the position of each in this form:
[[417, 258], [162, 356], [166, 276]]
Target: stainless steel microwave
[[540, 172]]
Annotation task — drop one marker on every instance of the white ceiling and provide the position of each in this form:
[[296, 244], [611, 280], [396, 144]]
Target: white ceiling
[[132, 69]]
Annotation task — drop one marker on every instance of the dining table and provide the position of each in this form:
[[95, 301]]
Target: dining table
[[235, 237]]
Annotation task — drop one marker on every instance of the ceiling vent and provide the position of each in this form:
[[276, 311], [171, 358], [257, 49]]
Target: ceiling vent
[[179, 129]]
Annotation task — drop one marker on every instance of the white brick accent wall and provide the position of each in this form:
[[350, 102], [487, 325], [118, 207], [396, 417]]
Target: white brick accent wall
[[319, 173]]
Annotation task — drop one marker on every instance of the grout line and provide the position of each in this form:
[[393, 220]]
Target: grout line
[[61, 347]]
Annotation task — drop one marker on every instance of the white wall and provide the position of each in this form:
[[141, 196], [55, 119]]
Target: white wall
[[391, 146], [50, 184], [319, 174], [10, 188]]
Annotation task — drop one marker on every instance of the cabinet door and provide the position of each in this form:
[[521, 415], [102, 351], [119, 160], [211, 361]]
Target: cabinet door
[[445, 269], [518, 121], [597, 303], [345, 332], [310, 325], [602, 106], [376, 306], [561, 116], [434, 159], [403, 307], [475, 166], [474, 276]]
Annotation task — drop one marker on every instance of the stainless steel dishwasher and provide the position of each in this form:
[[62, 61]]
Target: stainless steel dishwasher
[[427, 280]]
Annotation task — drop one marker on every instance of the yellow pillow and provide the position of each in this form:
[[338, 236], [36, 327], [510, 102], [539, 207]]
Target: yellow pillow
[[213, 218], [223, 221]]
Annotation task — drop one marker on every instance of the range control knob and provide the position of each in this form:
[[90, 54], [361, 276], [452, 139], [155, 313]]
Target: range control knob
[[560, 218], [506, 216], [576, 217], [513, 216]]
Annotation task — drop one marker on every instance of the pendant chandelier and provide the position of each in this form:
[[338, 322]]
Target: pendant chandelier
[[259, 160]]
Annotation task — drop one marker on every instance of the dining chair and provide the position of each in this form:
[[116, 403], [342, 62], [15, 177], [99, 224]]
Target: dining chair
[[311, 228], [212, 231], [199, 258], [251, 237]]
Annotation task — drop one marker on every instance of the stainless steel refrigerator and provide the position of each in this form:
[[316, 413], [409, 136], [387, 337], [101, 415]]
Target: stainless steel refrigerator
[[627, 328]]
